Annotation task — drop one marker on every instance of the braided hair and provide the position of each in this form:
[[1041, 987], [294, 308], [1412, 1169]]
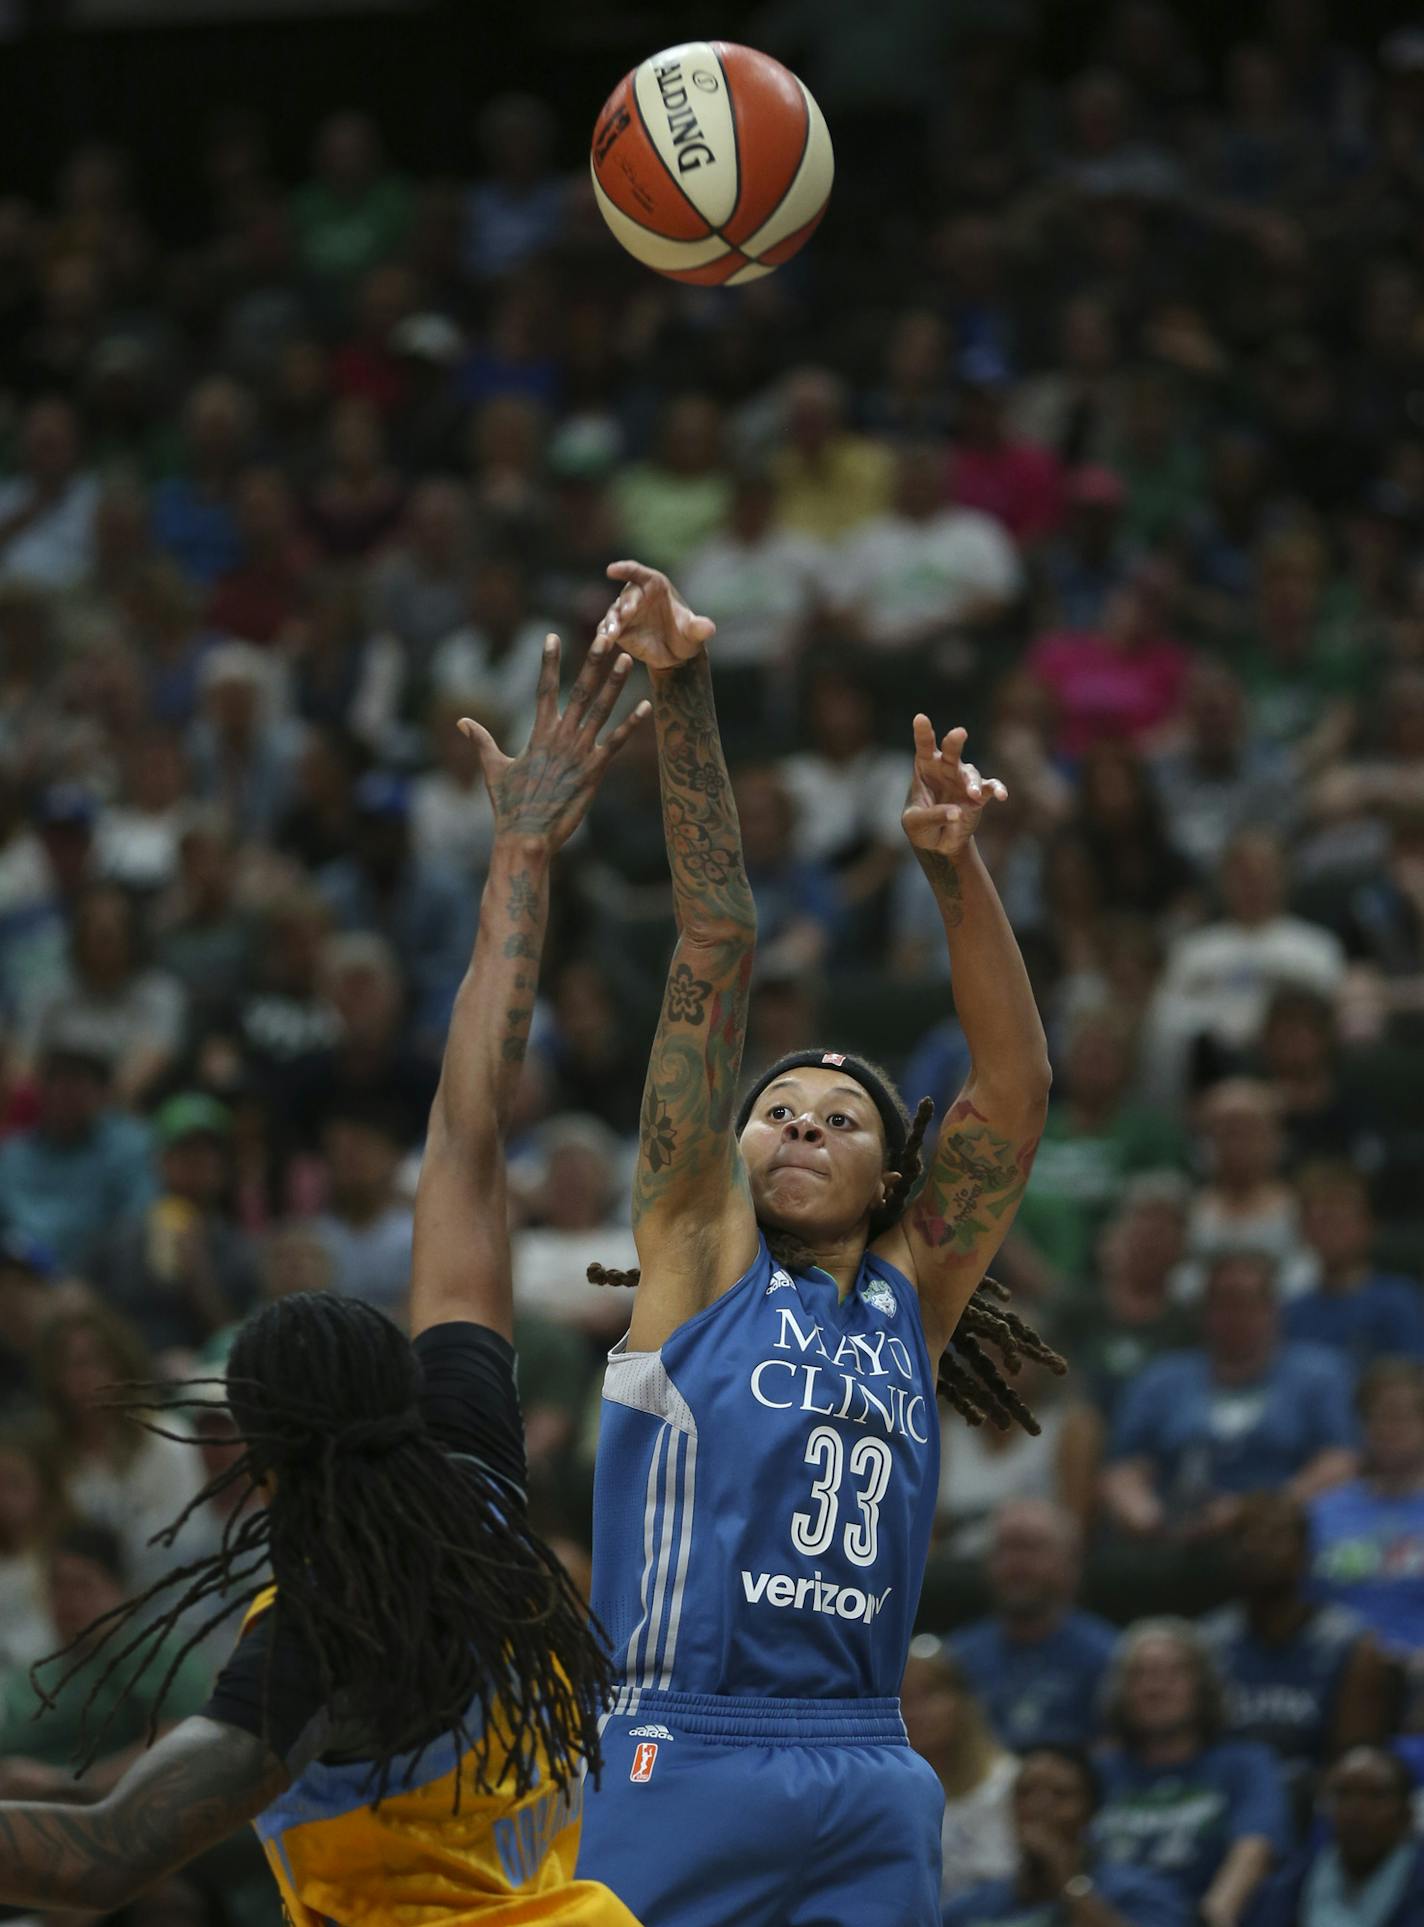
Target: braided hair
[[425, 1602], [970, 1381]]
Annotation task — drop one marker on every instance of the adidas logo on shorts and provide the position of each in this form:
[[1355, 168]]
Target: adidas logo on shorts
[[648, 1733]]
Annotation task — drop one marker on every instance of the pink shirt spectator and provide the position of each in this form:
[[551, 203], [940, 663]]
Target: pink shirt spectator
[[1105, 691], [1018, 483]]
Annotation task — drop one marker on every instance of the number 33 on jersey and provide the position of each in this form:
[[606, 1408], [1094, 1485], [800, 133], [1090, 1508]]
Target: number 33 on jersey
[[765, 1490]]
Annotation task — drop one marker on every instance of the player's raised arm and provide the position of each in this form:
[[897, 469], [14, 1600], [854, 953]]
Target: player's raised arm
[[987, 1142], [460, 1268], [692, 1212]]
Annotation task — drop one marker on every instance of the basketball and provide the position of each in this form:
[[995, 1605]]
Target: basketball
[[712, 163]]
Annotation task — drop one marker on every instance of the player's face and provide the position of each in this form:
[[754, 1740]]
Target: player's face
[[814, 1148]]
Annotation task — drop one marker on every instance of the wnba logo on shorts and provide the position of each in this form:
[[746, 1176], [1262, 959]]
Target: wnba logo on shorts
[[642, 1767]]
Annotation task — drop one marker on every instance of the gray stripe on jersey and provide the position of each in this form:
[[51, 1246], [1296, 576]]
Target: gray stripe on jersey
[[640, 1379], [652, 1533], [684, 1552], [669, 1512]]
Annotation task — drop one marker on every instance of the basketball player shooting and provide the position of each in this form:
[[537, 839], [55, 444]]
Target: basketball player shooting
[[769, 1455], [410, 1710]]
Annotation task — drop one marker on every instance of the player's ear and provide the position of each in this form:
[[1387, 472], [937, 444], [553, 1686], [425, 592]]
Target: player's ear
[[889, 1184]]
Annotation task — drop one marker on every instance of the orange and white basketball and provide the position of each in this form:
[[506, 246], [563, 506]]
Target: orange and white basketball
[[712, 163]]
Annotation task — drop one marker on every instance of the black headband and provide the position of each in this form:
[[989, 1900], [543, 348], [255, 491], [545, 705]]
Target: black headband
[[874, 1086]]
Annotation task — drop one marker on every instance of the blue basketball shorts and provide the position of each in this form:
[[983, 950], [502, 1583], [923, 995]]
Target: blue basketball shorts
[[764, 1813]]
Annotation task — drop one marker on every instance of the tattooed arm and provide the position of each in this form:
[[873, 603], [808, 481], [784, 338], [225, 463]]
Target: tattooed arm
[[460, 1266], [191, 1790], [692, 1211], [986, 1144]]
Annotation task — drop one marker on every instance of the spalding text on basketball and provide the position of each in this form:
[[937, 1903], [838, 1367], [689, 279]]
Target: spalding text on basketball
[[689, 142]]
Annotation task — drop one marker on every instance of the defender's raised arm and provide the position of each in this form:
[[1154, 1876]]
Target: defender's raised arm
[[460, 1268]]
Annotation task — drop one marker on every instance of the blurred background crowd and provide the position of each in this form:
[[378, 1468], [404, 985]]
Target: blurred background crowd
[[1092, 419]]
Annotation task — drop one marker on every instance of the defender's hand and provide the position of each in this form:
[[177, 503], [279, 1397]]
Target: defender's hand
[[546, 791]]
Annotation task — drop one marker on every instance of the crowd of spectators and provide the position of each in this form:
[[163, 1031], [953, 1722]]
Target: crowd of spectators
[[1094, 419]]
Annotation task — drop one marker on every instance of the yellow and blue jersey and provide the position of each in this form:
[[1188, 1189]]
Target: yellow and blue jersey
[[422, 1856]]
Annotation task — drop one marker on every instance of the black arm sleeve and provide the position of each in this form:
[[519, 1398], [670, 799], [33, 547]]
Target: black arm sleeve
[[296, 1725], [469, 1398], [470, 1404]]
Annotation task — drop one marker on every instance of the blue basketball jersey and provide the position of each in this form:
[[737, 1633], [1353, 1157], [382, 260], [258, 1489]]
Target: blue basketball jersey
[[764, 1491]]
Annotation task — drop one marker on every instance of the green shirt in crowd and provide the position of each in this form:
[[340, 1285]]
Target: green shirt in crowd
[[667, 516], [58, 1736], [341, 238], [1078, 1177]]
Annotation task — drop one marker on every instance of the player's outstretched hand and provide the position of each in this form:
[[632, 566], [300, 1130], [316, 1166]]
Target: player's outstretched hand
[[947, 795], [650, 620], [545, 791]]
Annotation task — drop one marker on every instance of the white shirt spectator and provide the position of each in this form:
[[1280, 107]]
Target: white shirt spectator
[[451, 825], [26, 881], [1206, 808], [550, 1268], [463, 665], [841, 804], [139, 848], [146, 1013], [26, 1631], [148, 1494], [975, 1479], [56, 549], [1211, 1234], [978, 1831], [759, 594], [903, 576], [1219, 981]]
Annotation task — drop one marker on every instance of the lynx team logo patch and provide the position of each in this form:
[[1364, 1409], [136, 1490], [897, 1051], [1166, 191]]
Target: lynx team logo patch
[[643, 1759], [879, 1294]]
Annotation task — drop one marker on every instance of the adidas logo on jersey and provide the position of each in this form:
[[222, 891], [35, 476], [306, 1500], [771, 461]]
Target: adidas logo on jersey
[[816, 1595], [648, 1733], [780, 1281]]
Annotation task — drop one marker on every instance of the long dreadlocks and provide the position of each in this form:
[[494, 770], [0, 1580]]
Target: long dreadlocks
[[969, 1379], [426, 1604]]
